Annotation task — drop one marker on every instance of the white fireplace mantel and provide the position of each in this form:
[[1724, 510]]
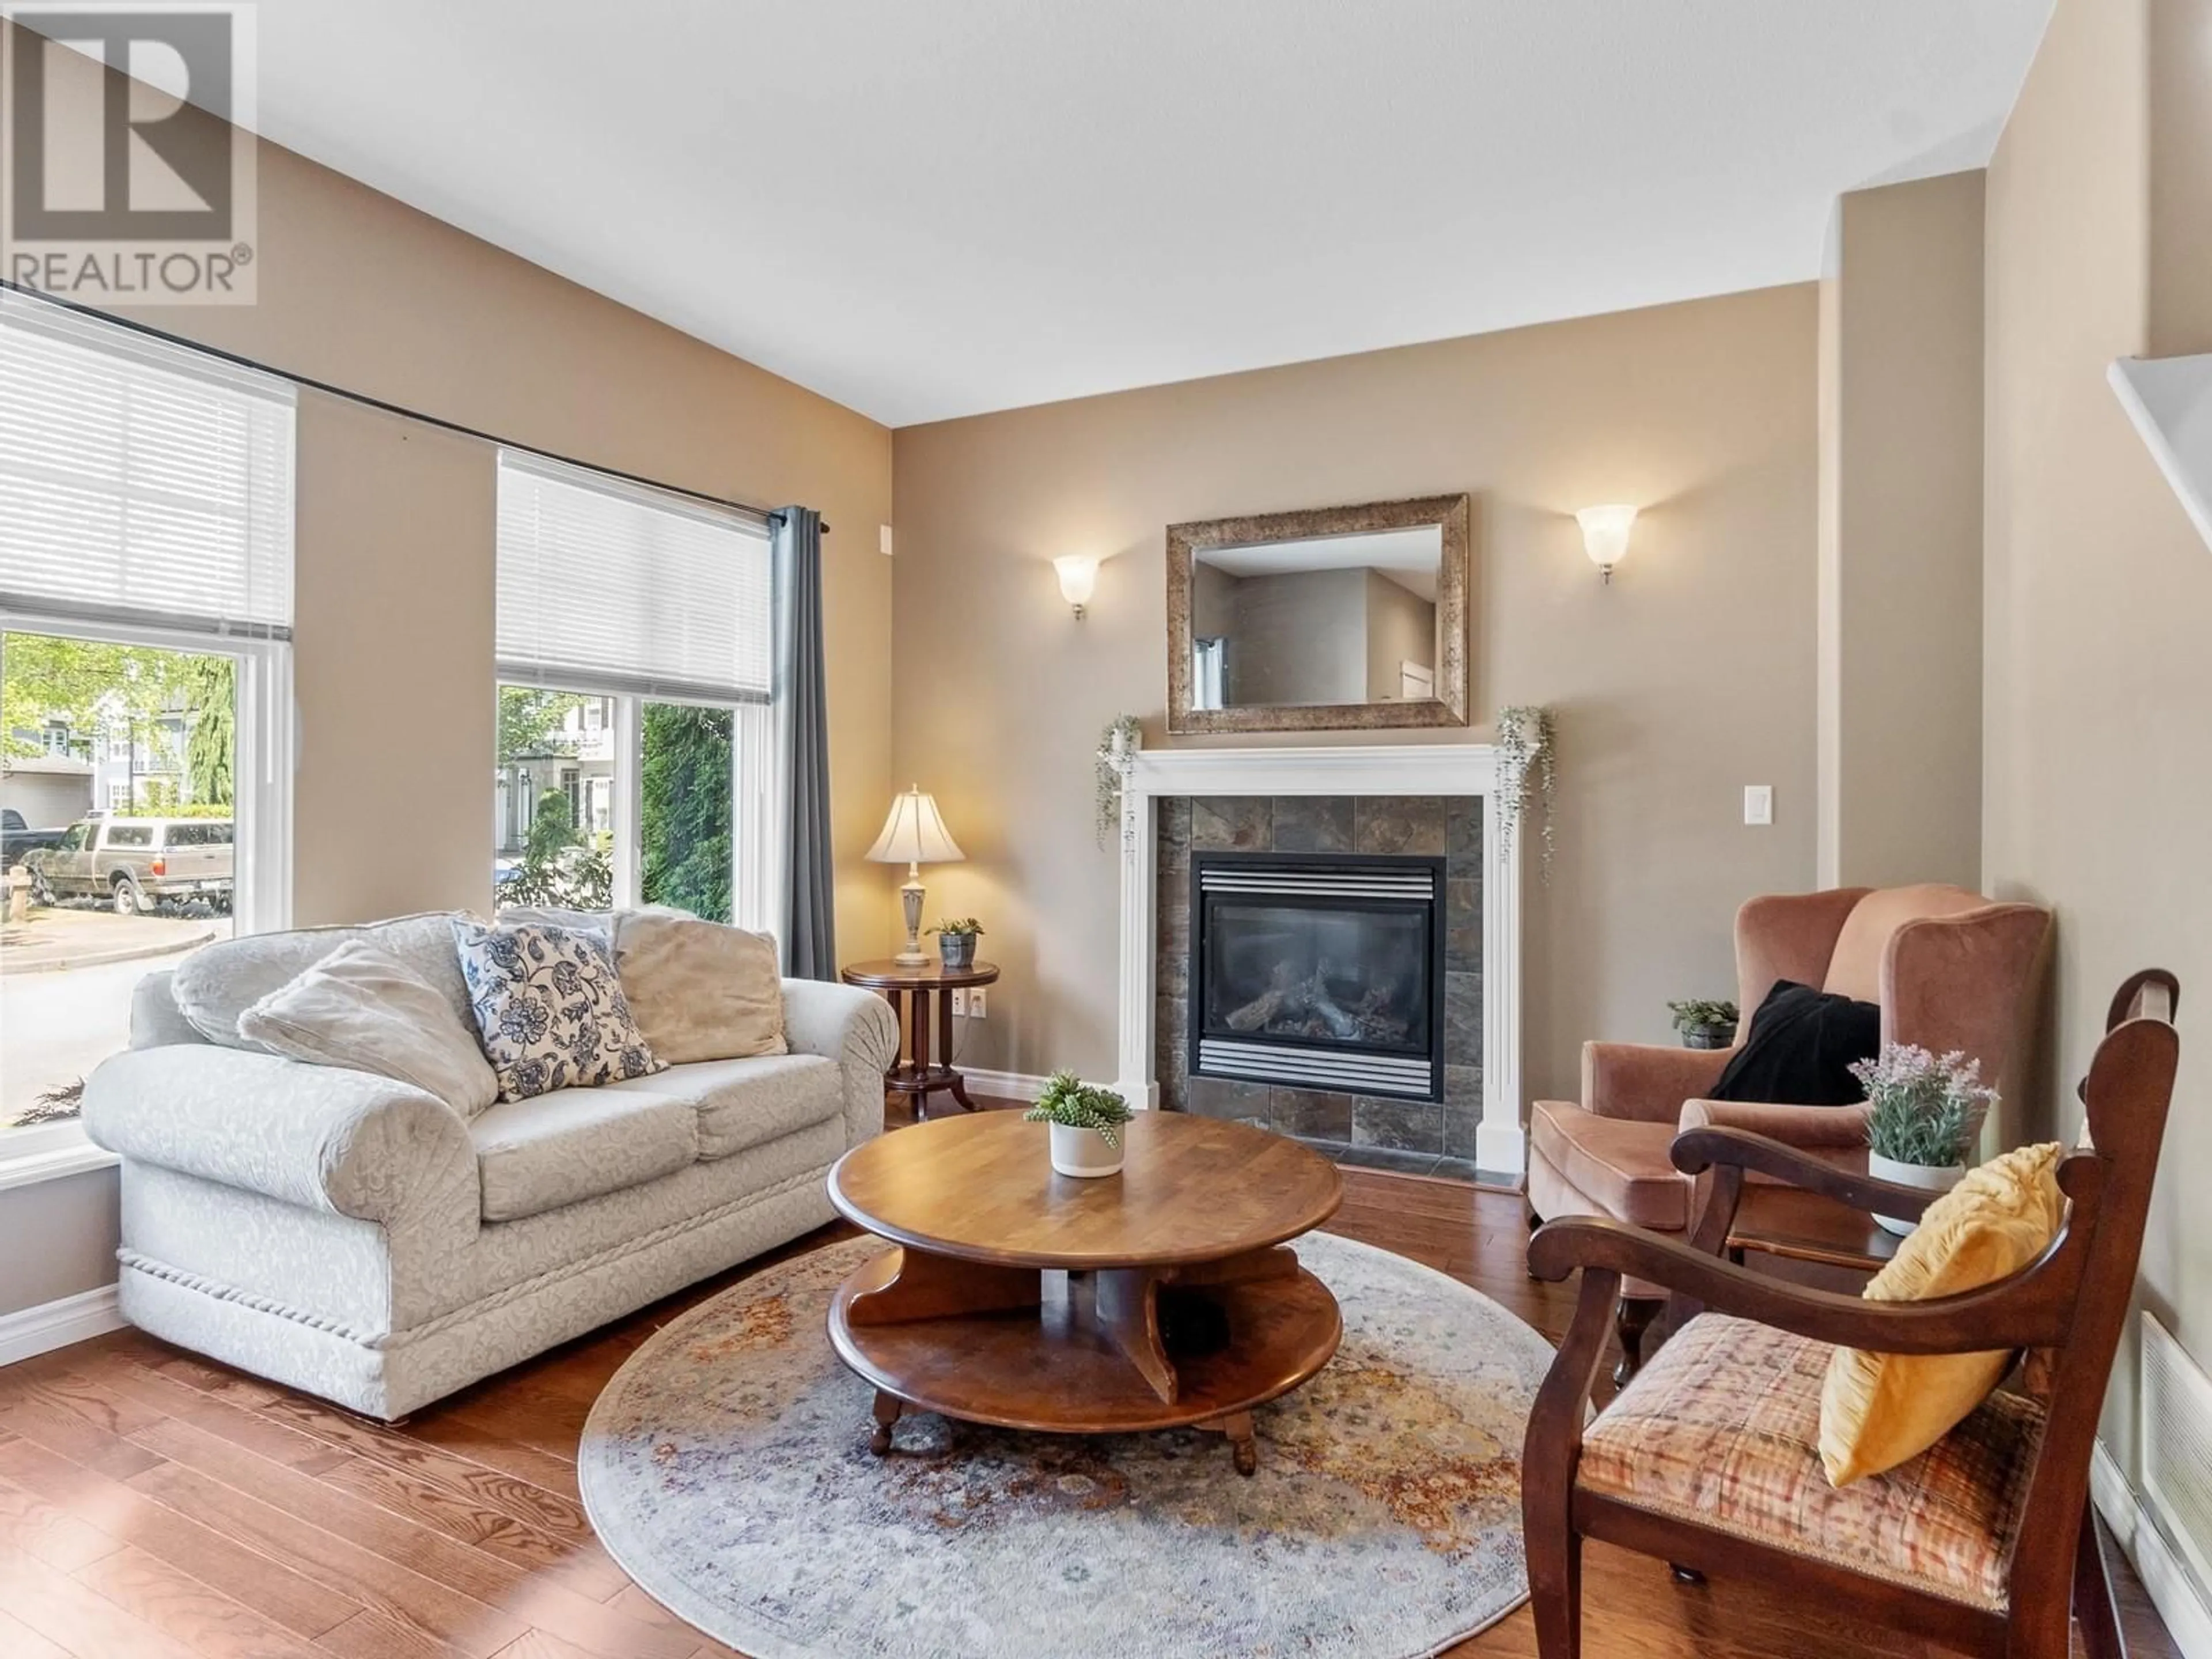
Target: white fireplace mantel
[[1469, 769]]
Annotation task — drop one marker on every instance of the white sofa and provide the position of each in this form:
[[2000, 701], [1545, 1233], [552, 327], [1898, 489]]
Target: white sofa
[[356, 1237]]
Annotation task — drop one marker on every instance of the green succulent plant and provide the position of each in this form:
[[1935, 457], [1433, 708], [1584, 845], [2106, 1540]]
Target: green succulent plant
[[1702, 1013], [1069, 1101]]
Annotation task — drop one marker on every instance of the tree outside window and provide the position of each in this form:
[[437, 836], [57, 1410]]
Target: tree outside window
[[685, 832]]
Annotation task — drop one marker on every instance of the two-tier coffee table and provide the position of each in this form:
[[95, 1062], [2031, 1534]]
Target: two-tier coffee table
[[1164, 1297]]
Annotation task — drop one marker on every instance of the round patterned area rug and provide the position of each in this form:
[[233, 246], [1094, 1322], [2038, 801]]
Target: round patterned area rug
[[726, 1467]]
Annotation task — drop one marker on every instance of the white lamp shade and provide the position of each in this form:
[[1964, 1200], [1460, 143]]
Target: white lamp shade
[[914, 833], [1079, 578], [1605, 533]]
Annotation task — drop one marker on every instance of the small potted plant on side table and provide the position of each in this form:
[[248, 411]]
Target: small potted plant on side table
[[1705, 1025], [1927, 1110], [1086, 1124], [956, 942]]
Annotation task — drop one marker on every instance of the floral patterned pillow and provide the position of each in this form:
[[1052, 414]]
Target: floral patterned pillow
[[550, 1008]]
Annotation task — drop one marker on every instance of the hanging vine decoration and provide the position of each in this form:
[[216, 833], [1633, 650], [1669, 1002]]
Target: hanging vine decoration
[[1117, 746], [1525, 768]]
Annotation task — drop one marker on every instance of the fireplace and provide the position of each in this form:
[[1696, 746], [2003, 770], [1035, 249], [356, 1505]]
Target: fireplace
[[1319, 971]]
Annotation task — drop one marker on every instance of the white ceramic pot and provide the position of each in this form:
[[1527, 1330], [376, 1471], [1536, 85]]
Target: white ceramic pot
[[1911, 1175], [1083, 1151]]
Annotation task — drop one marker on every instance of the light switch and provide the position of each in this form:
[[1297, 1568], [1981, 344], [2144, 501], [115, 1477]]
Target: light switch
[[1759, 804], [884, 538]]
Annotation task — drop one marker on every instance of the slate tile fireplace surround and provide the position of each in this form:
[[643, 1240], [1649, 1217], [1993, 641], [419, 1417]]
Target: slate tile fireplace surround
[[1283, 991]]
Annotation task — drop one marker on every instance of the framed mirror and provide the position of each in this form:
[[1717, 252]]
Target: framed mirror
[[1335, 619]]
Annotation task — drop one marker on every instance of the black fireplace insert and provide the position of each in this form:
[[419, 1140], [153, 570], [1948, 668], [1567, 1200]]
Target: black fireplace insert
[[1319, 970]]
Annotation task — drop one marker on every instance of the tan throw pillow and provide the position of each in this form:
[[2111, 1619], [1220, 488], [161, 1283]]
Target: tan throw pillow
[[218, 982], [1879, 1410], [366, 1010], [699, 990]]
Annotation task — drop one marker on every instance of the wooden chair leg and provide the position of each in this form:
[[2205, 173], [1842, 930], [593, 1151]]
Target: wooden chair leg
[[2093, 1592], [1555, 1589], [1630, 1320]]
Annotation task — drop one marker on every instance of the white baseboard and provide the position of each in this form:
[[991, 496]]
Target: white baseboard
[[1004, 1085], [2172, 1591], [1502, 1149], [56, 1324], [1021, 1086]]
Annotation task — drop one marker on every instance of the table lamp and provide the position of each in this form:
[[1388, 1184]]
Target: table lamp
[[913, 834]]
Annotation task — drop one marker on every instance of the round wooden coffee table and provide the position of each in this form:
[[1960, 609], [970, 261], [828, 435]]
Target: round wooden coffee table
[[1161, 1298]]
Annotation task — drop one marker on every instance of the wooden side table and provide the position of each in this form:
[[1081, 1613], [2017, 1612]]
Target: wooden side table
[[917, 1076], [1807, 1227]]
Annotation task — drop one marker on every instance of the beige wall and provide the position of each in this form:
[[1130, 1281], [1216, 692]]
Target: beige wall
[[393, 656], [1901, 538], [395, 511], [1300, 637], [60, 1238], [1691, 676], [2097, 591], [1402, 629]]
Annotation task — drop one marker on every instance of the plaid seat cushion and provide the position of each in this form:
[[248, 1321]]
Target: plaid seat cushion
[[1723, 1429]]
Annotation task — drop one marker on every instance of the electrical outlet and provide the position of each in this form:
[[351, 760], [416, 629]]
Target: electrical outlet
[[959, 1005], [977, 1009]]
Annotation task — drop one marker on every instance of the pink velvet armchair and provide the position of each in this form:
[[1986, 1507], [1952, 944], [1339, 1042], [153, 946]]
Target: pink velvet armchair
[[1949, 969]]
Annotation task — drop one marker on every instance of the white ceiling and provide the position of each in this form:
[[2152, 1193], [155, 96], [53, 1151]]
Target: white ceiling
[[1411, 558], [932, 208]]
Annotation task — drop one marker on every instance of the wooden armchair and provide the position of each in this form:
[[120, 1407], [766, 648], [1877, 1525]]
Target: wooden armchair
[[1709, 1459]]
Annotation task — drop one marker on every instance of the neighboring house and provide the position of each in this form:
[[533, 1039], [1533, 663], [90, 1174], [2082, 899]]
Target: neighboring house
[[124, 765], [141, 768], [579, 761], [48, 790]]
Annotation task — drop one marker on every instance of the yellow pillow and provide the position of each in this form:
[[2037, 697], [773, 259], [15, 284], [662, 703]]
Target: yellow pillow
[[1877, 1410]]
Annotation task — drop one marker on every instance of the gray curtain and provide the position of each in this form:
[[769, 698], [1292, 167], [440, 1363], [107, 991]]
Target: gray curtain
[[809, 929]]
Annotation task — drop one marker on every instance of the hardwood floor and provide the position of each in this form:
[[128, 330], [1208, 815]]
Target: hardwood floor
[[153, 1504]]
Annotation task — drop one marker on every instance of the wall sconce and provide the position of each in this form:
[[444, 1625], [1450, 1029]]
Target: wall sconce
[[1605, 535], [1079, 579]]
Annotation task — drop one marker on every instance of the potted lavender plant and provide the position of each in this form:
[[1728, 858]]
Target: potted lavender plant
[[1927, 1111]]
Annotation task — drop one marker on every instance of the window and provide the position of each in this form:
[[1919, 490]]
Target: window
[[1209, 673], [145, 620], [636, 735]]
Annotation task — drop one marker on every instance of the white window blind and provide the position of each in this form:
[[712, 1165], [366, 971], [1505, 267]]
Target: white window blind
[[609, 586], [140, 481]]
